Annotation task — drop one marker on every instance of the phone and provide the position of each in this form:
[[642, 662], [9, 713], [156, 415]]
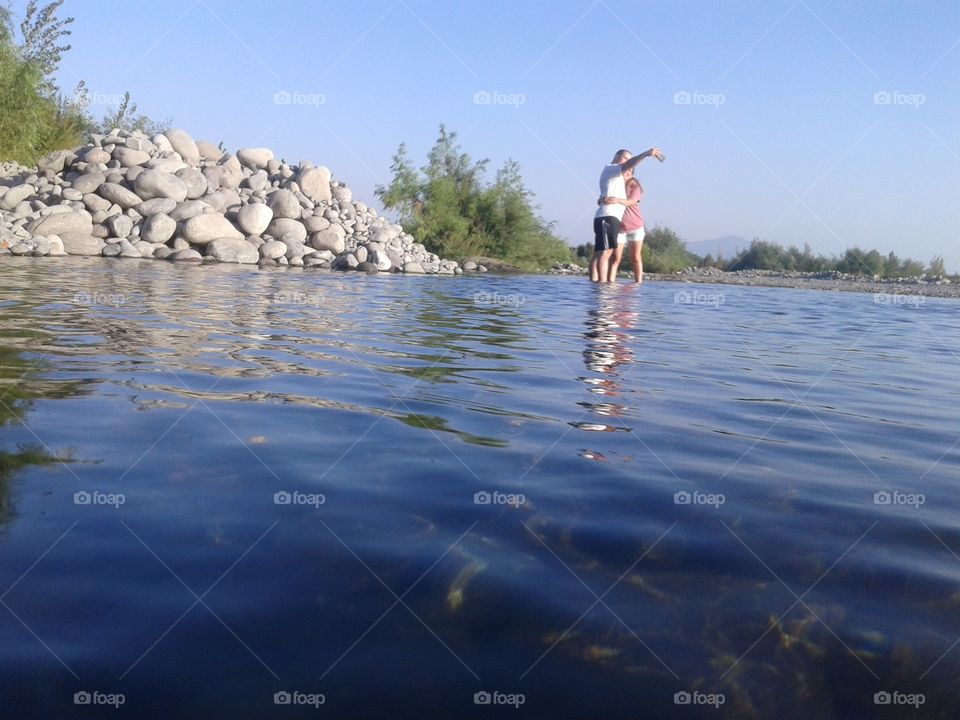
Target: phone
[[661, 157]]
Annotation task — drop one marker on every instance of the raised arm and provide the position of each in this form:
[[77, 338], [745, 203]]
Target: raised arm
[[637, 159]]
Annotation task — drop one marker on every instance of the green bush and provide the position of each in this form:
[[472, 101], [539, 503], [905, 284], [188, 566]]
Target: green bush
[[664, 252], [449, 208]]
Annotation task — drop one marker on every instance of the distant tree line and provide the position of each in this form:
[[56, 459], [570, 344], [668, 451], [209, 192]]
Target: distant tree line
[[665, 252], [35, 116]]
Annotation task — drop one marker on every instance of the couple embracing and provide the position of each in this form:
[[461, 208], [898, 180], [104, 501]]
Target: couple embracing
[[618, 221]]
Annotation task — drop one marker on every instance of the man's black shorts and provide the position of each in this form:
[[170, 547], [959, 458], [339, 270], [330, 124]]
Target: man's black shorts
[[605, 231]]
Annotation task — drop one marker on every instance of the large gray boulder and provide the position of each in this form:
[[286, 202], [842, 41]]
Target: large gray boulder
[[331, 239], [194, 181], [78, 221], [188, 209], [254, 219], [184, 145], [89, 181], [315, 184], [158, 228], [128, 157], [119, 225], [119, 194], [15, 195], [152, 184], [157, 205], [233, 250], [284, 204], [255, 158], [80, 243], [281, 228], [207, 227]]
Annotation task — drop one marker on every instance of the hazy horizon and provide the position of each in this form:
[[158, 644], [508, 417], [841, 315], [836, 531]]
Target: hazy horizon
[[794, 121]]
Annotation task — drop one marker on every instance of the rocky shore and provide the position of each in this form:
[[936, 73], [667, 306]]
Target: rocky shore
[[168, 197], [833, 281]]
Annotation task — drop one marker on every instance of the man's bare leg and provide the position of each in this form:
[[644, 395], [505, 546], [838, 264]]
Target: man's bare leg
[[615, 263], [594, 272], [603, 266]]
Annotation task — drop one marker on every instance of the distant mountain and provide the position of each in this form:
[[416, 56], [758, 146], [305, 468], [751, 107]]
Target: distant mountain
[[726, 247]]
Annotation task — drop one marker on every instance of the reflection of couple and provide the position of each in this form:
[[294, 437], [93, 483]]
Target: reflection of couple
[[618, 221]]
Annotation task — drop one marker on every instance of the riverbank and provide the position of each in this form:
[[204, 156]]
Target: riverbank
[[831, 281]]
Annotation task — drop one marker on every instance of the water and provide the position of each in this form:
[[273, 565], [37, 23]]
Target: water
[[182, 399]]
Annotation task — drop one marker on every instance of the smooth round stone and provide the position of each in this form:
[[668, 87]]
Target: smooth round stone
[[284, 205], [127, 250], [258, 181], [331, 239], [73, 195], [280, 227], [194, 181], [89, 182], [273, 249], [77, 221], [96, 156], [15, 195], [179, 244], [469, 265], [152, 184], [157, 205], [119, 194], [128, 157], [183, 144], [315, 223], [80, 244], [209, 151], [232, 250], [111, 250], [161, 143], [255, 158], [254, 218], [368, 267], [185, 255], [345, 262], [361, 254], [315, 184], [188, 209], [413, 268], [158, 228], [56, 245], [95, 203], [166, 165], [342, 194], [381, 260], [207, 227], [162, 252], [119, 225]]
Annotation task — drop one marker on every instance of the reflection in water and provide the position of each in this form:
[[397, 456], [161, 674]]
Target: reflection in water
[[608, 354], [20, 386]]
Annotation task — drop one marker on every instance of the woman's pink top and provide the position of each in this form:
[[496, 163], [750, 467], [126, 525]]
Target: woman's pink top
[[632, 219]]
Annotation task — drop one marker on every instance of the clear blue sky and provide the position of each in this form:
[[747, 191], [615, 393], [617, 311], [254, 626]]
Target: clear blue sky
[[798, 151]]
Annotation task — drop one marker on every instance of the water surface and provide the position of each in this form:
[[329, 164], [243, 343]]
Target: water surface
[[182, 400]]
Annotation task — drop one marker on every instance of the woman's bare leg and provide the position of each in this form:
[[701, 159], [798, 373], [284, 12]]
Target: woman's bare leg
[[636, 260]]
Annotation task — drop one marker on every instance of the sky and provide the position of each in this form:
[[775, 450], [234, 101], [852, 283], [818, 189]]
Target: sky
[[834, 123]]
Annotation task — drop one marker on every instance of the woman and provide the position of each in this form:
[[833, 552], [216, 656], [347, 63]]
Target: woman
[[631, 229]]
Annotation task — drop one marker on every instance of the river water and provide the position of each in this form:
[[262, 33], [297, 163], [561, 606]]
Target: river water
[[249, 494]]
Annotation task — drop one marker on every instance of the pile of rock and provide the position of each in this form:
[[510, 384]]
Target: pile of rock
[[126, 195]]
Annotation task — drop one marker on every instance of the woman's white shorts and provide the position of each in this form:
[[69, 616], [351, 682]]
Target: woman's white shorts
[[635, 236]]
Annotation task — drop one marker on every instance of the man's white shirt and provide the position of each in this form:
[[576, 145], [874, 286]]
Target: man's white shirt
[[612, 185]]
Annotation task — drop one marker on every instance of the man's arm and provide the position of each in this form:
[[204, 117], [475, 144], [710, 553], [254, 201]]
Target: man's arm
[[637, 159]]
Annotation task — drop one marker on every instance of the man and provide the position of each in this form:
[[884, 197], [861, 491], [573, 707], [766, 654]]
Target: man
[[606, 223]]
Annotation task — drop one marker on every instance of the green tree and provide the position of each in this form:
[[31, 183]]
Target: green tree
[[664, 252], [935, 268], [449, 207]]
